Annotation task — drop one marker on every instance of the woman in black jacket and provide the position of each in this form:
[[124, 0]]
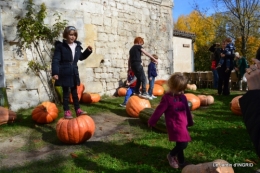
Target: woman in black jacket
[[249, 104], [65, 69]]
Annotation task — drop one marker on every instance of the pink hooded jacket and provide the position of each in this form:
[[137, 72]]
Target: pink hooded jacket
[[177, 116]]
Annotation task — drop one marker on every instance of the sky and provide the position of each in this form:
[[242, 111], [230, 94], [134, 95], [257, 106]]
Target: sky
[[185, 7]]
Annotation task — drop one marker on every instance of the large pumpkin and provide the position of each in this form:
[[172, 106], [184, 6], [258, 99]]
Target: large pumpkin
[[217, 166], [194, 100], [160, 82], [75, 130], [121, 91], [136, 104], [45, 113], [157, 90], [90, 98], [234, 105], [6, 116], [206, 100], [80, 90]]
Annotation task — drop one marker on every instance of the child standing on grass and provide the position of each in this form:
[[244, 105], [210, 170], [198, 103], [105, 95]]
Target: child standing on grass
[[135, 64], [65, 69], [152, 73], [174, 106], [131, 82]]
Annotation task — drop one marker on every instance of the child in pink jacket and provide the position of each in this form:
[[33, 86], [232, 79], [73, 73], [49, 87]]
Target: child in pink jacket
[[174, 106]]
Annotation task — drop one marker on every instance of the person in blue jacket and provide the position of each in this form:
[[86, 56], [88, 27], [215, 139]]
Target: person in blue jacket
[[65, 68], [152, 73]]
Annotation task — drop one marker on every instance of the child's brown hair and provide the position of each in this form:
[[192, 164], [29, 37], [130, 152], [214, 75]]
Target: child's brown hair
[[139, 40], [67, 30], [228, 40], [177, 82], [155, 56]]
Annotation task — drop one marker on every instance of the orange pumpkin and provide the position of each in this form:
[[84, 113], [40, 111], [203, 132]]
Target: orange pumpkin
[[136, 104], [121, 91], [75, 130], [6, 116], [80, 90], [206, 100], [90, 98], [194, 100], [160, 82], [45, 113], [234, 105], [157, 90]]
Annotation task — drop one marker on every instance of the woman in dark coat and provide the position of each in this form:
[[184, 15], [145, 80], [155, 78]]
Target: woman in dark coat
[[65, 69], [249, 105]]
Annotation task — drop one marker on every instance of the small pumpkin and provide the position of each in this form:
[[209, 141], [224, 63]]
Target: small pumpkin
[[165, 87], [157, 90], [217, 166], [7, 116], [121, 91], [75, 130], [90, 97], [80, 90], [206, 100], [191, 87], [160, 82], [45, 113], [136, 104], [194, 100], [234, 105]]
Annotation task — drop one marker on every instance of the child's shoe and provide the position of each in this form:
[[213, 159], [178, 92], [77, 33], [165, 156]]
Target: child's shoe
[[123, 105], [154, 97], [173, 161], [80, 112], [150, 97], [68, 115], [144, 95]]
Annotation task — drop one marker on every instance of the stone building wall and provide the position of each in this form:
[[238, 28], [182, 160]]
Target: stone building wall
[[109, 26]]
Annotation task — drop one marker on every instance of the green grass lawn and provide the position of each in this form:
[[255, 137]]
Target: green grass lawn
[[216, 134]]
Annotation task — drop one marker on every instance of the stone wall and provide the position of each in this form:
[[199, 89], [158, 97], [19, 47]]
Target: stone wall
[[109, 26]]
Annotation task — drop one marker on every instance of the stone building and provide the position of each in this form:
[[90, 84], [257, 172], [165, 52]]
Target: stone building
[[109, 26]]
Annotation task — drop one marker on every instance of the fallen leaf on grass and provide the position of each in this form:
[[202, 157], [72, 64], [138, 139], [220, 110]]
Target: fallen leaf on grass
[[250, 161], [201, 154], [73, 155]]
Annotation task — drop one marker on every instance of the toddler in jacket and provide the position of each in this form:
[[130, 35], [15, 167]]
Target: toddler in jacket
[[152, 73], [178, 118]]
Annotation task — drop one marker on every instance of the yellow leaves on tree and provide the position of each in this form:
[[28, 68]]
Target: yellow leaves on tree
[[201, 26]]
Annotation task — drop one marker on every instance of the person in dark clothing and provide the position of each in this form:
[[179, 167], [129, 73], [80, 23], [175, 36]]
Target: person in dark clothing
[[65, 69], [135, 64], [258, 54], [152, 73], [224, 75], [249, 105], [215, 57]]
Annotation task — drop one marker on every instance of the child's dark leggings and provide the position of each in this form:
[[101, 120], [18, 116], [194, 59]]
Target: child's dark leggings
[[178, 151], [66, 94]]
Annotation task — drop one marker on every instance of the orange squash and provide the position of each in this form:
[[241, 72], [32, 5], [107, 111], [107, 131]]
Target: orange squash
[[136, 104], [160, 82], [158, 90], [75, 130], [90, 98], [194, 100], [6, 116], [121, 91], [217, 166], [234, 106], [80, 90], [206, 100], [45, 113]]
